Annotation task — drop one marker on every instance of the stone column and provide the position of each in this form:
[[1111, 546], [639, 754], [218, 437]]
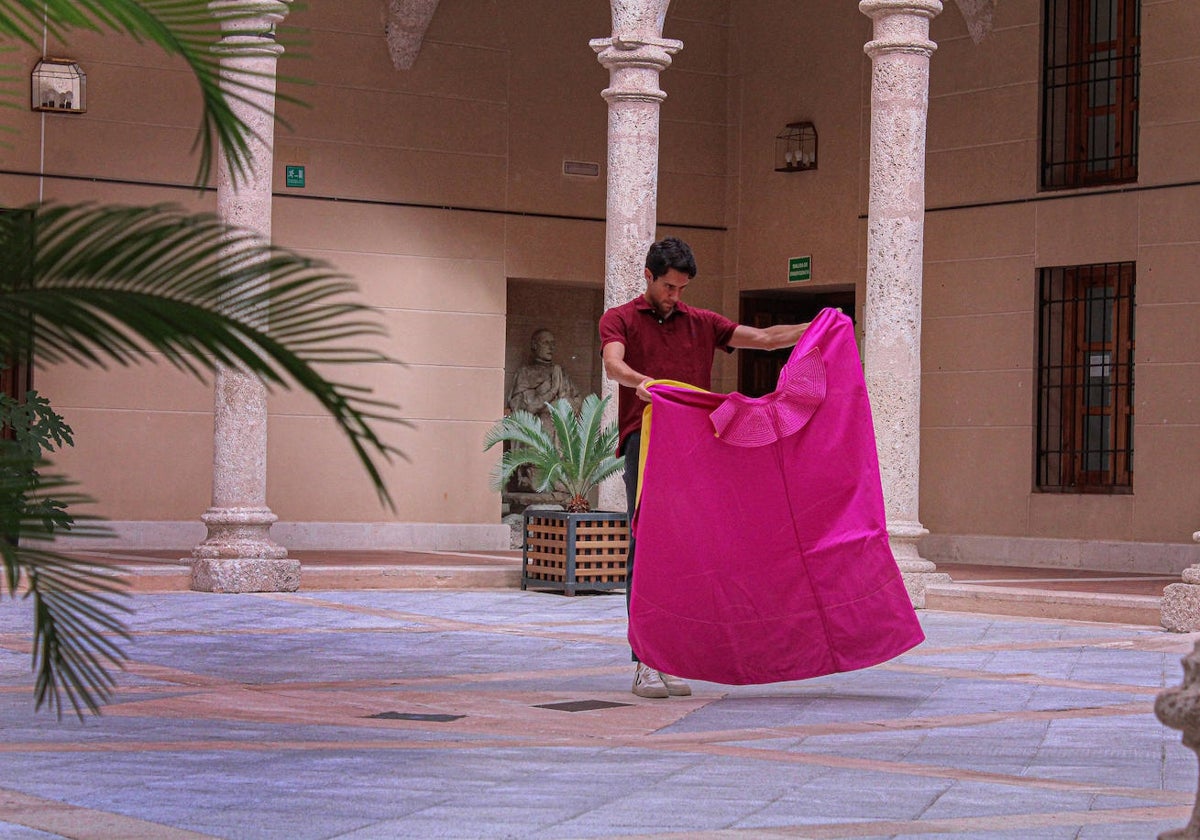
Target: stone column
[[635, 55], [900, 49], [238, 554], [1180, 606]]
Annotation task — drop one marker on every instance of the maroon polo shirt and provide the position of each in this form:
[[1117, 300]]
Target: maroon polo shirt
[[680, 348]]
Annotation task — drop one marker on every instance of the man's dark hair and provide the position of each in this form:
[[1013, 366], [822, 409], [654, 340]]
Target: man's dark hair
[[670, 253]]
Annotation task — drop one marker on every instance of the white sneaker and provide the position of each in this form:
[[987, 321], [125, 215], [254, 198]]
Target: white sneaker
[[675, 686], [647, 683]]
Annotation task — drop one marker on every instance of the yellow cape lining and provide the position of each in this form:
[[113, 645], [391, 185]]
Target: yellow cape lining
[[645, 441]]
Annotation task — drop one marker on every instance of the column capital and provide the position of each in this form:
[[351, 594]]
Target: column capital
[[901, 26], [249, 10], [650, 53], [877, 8], [634, 66], [248, 26]]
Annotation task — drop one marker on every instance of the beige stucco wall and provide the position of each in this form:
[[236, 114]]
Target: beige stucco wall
[[979, 351]]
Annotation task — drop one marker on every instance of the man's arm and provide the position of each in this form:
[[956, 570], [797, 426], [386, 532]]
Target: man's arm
[[767, 338], [618, 371]]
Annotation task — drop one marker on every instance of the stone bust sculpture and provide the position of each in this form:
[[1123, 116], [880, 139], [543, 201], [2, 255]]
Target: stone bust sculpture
[[541, 381]]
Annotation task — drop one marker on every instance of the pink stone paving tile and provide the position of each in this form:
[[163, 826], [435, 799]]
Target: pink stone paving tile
[[963, 826], [66, 820]]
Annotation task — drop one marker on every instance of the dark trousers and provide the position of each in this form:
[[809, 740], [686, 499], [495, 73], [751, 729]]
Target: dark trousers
[[633, 451]]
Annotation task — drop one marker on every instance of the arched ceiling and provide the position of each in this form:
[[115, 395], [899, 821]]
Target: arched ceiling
[[407, 21]]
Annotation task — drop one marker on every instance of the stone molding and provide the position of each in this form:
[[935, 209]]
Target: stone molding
[[1041, 552], [180, 535]]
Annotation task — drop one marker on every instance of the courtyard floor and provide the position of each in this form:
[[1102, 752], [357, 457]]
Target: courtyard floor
[[501, 713]]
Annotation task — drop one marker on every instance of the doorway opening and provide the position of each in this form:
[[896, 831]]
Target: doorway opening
[[758, 370]]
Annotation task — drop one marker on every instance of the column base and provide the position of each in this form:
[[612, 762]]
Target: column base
[[917, 575], [238, 555], [245, 574], [917, 572]]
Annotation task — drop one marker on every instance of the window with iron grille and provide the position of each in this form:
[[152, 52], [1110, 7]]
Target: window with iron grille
[[1091, 62], [1085, 379]]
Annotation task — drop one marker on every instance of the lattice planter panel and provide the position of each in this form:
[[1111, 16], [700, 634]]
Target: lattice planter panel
[[574, 551]]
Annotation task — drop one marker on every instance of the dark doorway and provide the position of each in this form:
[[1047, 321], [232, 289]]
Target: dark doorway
[[16, 233], [758, 370]]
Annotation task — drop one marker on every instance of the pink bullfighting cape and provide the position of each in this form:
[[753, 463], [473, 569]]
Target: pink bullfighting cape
[[762, 552]]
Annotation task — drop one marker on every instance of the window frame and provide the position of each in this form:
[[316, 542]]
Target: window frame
[[1089, 76], [1084, 378]]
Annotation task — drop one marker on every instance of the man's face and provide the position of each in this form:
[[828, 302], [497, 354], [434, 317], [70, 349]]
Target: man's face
[[662, 293], [543, 347]]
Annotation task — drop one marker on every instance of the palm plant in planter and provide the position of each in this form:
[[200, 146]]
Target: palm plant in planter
[[576, 547], [571, 461]]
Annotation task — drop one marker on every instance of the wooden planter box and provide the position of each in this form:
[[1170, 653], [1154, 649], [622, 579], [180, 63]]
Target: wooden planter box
[[574, 551]]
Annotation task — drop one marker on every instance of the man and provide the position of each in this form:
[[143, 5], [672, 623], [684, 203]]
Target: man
[[657, 336]]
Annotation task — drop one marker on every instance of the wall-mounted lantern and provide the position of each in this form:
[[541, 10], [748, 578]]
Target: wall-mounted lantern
[[796, 147], [59, 85]]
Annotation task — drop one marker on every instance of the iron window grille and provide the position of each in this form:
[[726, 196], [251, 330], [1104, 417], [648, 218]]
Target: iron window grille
[[1085, 379], [1090, 79]]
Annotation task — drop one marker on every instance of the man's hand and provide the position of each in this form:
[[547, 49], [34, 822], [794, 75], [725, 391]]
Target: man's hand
[[642, 393]]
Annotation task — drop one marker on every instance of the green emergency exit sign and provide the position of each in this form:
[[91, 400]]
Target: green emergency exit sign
[[799, 269], [294, 176]]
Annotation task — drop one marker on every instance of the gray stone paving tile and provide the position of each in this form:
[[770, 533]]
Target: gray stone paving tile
[[289, 657], [247, 612], [974, 799], [1040, 833], [12, 831], [264, 823], [837, 793], [1133, 830], [121, 729], [436, 827], [1077, 663], [1127, 831], [996, 748], [969, 628], [798, 703]]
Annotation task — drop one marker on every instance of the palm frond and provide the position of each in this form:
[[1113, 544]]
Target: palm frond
[[101, 284], [76, 635], [529, 443]]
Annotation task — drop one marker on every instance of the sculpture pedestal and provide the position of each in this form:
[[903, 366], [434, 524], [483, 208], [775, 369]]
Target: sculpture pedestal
[[1179, 708]]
